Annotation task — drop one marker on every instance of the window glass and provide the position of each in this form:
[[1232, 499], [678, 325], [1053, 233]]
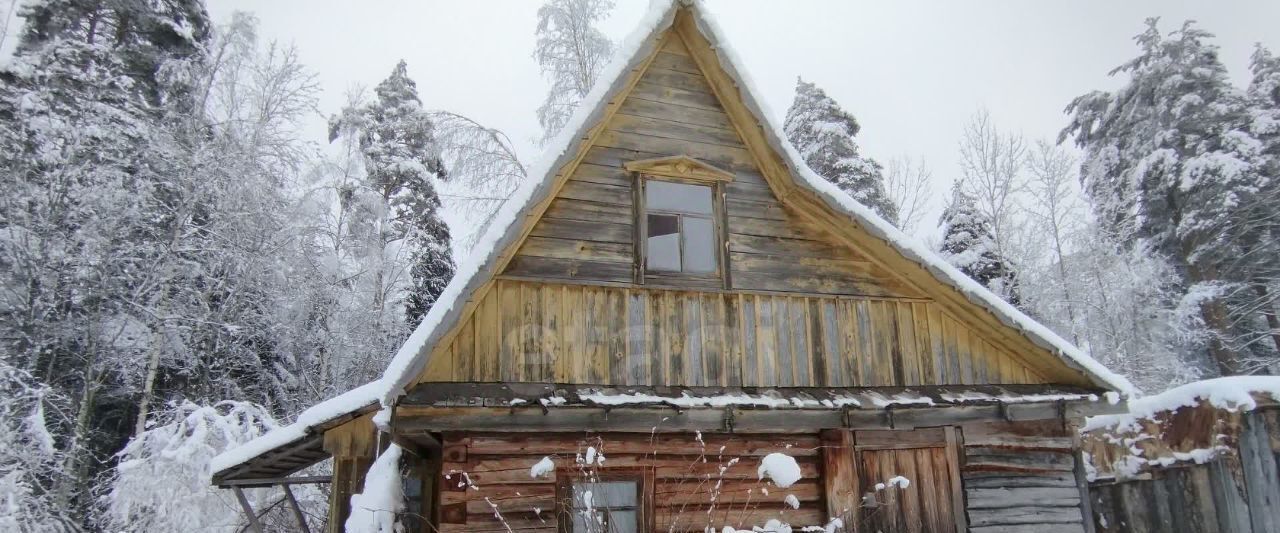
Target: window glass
[[678, 197], [664, 243], [699, 245], [605, 507]]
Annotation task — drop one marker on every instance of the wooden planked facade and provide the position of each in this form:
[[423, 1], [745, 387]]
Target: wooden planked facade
[[570, 333]]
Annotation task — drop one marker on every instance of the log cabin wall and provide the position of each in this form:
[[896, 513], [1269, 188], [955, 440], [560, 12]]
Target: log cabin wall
[[1025, 476], [697, 480], [566, 333]]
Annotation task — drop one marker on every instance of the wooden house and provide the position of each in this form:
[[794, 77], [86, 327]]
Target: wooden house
[[675, 297]]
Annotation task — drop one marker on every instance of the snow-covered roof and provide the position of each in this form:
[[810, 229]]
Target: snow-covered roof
[[411, 359], [505, 230]]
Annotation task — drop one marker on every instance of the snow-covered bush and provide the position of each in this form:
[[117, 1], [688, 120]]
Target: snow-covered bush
[[161, 479], [30, 462]]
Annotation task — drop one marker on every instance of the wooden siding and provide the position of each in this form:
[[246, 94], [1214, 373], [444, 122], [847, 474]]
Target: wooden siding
[[569, 333], [699, 481], [1021, 477], [587, 231]]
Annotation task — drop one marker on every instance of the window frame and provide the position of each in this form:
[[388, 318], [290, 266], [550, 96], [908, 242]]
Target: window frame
[[643, 476], [688, 171]]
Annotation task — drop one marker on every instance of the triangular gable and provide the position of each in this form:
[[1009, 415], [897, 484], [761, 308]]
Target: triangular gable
[[787, 176]]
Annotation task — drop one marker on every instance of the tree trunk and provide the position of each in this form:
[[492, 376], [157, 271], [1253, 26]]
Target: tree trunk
[[1214, 313], [1269, 311], [148, 384]]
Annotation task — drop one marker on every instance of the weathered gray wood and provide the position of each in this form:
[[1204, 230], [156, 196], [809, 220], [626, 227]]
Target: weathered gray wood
[[987, 480], [248, 510], [267, 482], [1001, 498], [1029, 515], [1262, 483], [1038, 528], [1082, 479], [1233, 512]]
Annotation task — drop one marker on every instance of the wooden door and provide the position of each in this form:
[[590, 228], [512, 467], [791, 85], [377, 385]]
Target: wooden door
[[909, 481]]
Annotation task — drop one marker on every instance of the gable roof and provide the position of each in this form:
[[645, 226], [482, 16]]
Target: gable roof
[[506, 230], [505, 233]]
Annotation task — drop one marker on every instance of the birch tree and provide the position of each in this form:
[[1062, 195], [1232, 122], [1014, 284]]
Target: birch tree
[[571, 51]]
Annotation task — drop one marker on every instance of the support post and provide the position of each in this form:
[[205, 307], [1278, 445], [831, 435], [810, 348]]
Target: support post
[[840, 476], [297, 510], [352, 446], [248, 510]]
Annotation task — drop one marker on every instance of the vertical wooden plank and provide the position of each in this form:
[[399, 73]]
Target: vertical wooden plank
[[488, 336], [840, 476], [1261, 480], [891, 515], [512, 360], [907, 342], [569, 364], [866, 346], [693, 363], [817, 343], [638, 354], [713, 338], [1082, 479], [673, 321], [658, 347], [849, 342], [924, 354], [870, 474], [937, 345], [766, 340], [750, 329], [552, 348], [464, 352], [955, 451], [950, 340], [800, 356], [910, 496], [926, 473], [897, 351], [598, 334], [1233, 511], [617, 336], [832, 356], [964, 354], [734, 363], [785, 360]]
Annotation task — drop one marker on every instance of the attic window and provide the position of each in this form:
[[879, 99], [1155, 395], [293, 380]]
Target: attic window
[[679, 229]]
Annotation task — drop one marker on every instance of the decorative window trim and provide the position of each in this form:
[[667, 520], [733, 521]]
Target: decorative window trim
[[679, 166], [642, 475]]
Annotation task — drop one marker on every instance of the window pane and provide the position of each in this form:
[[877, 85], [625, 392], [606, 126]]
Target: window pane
[[664, 243], [612, 493], [622, 522], [699, 245], [679, 197]]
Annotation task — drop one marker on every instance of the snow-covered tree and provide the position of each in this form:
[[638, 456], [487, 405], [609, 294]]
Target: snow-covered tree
[[30, 461], [1264, 236], [992, 173], [906, 183], [968, 243], [823, 133], [484, 170], [571, 51], [1170, 161]]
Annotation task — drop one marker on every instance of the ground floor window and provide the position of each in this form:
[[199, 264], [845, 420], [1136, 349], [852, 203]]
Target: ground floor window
[[607, 501]]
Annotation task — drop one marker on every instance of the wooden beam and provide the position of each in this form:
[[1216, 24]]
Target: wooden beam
[[248, 511], [249, 483], [297, 510], [955, 454], [732, 420]]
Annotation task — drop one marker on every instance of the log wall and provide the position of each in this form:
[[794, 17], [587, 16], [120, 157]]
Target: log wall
[[546, 332], [698, 482], [1022, 477]]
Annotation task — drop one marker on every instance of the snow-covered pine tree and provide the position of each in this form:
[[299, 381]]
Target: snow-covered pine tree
[[823, 134], [398, 198], [967, 243], [571, 51], [1264, 100], [1170, 161]]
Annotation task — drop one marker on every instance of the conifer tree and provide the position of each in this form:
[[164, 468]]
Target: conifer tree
[[1170, 162], [399, 201], [823, 134], [969, 244]]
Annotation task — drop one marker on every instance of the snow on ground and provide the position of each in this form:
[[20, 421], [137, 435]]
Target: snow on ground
[[374, 510], [780, 468]]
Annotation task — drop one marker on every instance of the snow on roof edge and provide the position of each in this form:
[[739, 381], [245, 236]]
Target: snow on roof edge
[[1231, 393], [345, 403], [909, 246]]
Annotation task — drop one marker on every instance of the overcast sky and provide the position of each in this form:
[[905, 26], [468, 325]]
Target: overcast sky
[[912, 72]]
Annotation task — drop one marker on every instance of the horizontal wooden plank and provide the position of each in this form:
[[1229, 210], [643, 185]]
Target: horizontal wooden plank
[[594, 230], [688, 81], [675, 96], [597, 192], [885, 440], [551, 267], [577, 249], [715, 154], [674, 61], [1026, 516], [1070, 527], [997, 479], [588, 211], [602, 174], [710, 445], [688, 115], [1005, 497], [668, 129]]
